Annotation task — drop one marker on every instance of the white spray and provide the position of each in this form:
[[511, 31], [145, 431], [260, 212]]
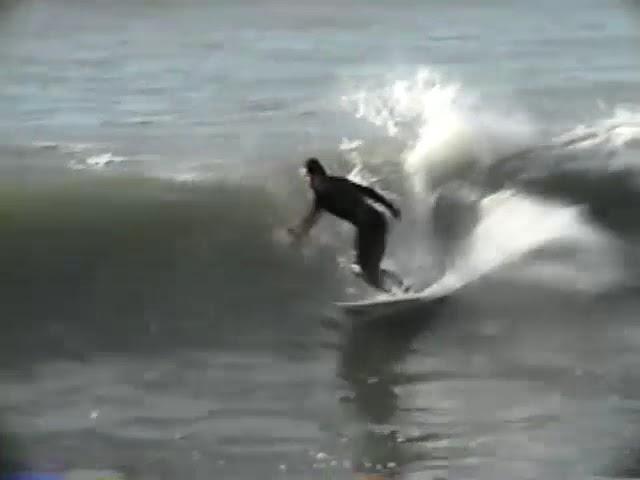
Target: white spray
[[450, 140]]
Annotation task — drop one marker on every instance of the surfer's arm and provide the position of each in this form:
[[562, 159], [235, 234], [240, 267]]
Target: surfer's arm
[[376, 197], [303, 228]]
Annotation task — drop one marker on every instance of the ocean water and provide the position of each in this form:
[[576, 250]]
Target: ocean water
[[156, 324]]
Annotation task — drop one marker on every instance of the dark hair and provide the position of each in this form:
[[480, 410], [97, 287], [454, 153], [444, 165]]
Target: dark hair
[[314, 167]]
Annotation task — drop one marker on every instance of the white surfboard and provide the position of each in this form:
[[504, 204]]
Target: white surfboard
[[388, 303]]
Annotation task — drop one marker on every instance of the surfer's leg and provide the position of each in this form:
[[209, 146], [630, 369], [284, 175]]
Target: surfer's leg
[[371, 242]]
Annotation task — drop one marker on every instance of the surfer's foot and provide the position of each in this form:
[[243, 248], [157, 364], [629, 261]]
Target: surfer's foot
[[357, 271], [398, 285], [403, 289], [393, 284]]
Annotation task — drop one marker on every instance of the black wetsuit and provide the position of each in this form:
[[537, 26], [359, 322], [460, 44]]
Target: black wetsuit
[[348, 200]]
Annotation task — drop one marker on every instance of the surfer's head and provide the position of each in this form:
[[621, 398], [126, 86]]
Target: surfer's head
[[314, 170], [314, 167]]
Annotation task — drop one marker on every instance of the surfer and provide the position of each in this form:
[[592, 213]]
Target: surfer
[[348, 201]]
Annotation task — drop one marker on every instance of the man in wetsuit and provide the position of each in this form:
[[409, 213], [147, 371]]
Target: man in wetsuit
[[349, 201]]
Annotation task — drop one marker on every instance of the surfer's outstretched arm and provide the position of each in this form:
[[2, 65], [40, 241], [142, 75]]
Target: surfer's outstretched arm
[[303, 228], [375, 196]]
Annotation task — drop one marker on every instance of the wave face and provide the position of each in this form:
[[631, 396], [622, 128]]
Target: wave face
[[133, 263]]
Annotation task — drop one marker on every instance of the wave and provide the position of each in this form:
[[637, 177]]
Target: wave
[[590, 165], [459, 154], [66, 147], [96, 161], [78, 156], [447, 134], [621, 130], [114, 262], [142, 257]]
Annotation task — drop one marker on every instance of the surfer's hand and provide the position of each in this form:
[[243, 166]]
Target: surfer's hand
[[397, 214]]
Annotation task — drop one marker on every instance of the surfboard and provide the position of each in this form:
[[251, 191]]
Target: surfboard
[[387, 303]]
